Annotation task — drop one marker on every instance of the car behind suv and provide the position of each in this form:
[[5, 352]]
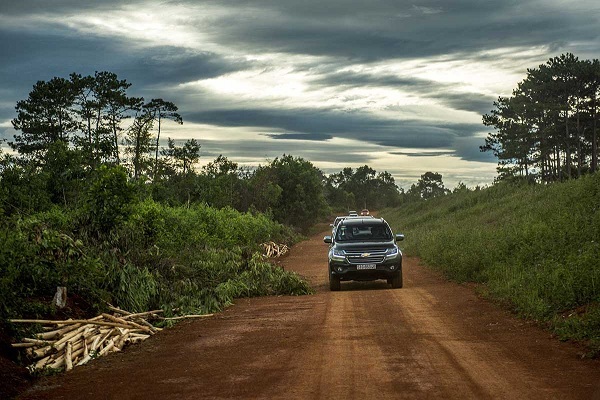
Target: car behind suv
[[364, 249]]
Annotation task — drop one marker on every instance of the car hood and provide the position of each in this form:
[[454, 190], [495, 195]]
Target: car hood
[[358, 246]]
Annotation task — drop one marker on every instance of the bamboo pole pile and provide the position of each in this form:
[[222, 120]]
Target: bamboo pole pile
[[273, 249], [74, 342]]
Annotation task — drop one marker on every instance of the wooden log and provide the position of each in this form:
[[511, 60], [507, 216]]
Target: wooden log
[[42, 351], [23, 345], [38, 341], [118, 310], [187, 316], [125, 324], [59, 344], [57, 333], [69, 357], [86, 349], [120, 342], [143, 314], [58, 362], [41, 363], [75, 321], [102, 340], [95, 343], [110, 344]]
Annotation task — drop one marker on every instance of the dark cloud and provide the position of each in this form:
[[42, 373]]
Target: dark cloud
[[467, 148], [424, 153], [473, 102], [268, 150], [397, 29], [59, 7], [29, 57], [330, 123], [319, 137], [352, 79], [447, 93]]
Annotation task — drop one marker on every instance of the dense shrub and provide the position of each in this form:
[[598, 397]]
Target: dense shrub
[[195, 259]]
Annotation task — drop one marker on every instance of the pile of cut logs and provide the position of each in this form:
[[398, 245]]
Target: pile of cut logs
[[273, 249], [65, 344]]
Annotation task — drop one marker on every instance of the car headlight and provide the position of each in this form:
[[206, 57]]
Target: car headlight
[[338, 255], [392, 252]]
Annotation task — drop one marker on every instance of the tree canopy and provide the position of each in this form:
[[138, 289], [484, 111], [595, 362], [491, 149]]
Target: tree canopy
[[547, 130]]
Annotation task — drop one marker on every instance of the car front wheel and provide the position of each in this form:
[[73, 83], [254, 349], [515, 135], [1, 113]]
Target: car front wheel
[[396, 280], [334, 283]]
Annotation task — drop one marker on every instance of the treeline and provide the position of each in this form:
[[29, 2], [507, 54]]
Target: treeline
[[72, 131], [548, 129]]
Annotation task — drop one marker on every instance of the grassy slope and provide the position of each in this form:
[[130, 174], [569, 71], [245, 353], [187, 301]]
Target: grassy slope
[[536, 248]]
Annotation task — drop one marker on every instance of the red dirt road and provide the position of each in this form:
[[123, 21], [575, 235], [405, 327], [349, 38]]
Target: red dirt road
[[430, 340]]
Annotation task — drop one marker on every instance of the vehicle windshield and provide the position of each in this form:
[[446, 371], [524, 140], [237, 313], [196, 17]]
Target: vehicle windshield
[[360, 233]]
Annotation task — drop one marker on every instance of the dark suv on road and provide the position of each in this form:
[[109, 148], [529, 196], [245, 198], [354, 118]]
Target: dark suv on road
[[364, 249]]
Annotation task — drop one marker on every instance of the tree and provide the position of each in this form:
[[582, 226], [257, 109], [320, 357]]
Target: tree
[[138, 144], [112, 97], [301, 201], [84, 112], [363, 188], [160, 109], [221, 183], [430, 185], [44, 118]]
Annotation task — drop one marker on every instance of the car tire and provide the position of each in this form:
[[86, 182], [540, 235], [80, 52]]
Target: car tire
[[334, 283], [397, 280]]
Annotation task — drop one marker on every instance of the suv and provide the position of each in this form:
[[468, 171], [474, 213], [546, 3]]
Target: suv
[[364, 249]]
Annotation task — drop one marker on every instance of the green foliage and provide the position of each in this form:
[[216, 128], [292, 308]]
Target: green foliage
[[23, 191], [301, 202], [195, 259], [428, 186], [109, 198], [535, 247], [261, 278], [361, 188], [36, 257]]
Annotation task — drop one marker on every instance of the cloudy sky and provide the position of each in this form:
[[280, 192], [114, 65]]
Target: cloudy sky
[[398, 85]]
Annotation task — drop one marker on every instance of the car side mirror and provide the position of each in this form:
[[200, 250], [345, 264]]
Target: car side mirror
[[399, 237], [327, 239]]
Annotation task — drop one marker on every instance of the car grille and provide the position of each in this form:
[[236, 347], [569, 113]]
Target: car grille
[[365, 257]]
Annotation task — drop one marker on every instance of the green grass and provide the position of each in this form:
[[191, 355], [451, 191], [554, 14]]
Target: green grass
[[535, 247]]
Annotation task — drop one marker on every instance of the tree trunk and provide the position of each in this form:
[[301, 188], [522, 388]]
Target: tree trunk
[[594, 165], [60, 297], [568, 145], [156, 153]]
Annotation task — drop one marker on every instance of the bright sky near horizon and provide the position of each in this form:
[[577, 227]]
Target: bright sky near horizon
[[398, 85]]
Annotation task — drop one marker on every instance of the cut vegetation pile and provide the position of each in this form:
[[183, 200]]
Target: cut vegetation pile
[[65, 344], [534, 247]]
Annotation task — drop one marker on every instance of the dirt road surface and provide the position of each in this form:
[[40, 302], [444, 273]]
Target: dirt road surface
[[430, 340]]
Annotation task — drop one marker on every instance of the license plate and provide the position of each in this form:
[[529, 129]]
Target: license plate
[[366, 266]]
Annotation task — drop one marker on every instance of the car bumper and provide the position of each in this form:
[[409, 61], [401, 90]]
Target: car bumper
[[349, 272]]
